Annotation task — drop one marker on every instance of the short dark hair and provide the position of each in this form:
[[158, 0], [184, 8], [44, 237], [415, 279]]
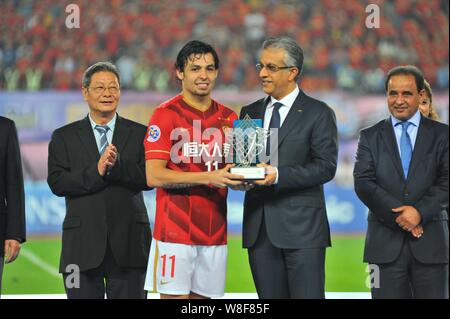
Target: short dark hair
[[194, 47], [99, 67], [294, 53], [407, 70]]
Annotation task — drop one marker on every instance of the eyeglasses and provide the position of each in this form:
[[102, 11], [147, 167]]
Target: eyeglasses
[[272, 68], [100, 89]]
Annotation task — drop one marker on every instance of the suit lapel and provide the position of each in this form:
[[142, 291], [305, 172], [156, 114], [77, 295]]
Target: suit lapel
[[420, 147], [391, 143], [260, 110], [87, 138], [292, 118], [121, 133]]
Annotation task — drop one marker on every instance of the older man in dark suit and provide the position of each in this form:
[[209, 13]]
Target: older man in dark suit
[[285, 225], [98, 165], [12, 197], [401, 175]]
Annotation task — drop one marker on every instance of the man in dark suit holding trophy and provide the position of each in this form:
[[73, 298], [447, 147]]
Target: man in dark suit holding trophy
[[285, 224]]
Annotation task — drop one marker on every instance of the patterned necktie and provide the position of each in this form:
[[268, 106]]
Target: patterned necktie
[[275, 122], [405, 147], [102, 129]]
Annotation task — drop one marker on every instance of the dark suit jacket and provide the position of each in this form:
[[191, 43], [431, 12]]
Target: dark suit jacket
[[12, 197], [100, 208], [294, 209], [380, 185]]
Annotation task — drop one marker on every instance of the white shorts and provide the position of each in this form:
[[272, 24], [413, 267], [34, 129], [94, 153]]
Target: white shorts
[[178, 269]]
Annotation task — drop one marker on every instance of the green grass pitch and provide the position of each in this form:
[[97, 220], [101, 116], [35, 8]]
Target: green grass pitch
[[35, 271]]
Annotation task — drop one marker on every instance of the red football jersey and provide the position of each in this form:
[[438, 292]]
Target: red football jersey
[[191, 141]]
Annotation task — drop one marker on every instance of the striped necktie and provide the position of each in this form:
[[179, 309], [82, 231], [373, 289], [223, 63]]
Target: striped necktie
[[102, 129]]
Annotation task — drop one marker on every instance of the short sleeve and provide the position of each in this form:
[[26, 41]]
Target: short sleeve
[[157, 141]]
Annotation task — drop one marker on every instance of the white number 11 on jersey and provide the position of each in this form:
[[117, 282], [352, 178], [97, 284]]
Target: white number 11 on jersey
[[210, 164]]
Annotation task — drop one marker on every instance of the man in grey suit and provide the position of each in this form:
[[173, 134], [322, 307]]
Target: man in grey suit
[[401, 175], [285, 224]]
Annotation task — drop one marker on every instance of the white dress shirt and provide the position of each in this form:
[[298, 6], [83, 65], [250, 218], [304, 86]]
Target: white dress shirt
[[287, 102]]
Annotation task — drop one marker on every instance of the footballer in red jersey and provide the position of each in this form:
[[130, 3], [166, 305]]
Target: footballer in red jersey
[[190, 215], [185, 161]]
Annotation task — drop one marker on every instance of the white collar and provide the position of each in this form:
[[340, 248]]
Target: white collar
[[415, 119], [111, 124], [288, 100]]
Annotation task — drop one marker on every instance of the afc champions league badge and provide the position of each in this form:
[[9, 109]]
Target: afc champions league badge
[[154, 133]]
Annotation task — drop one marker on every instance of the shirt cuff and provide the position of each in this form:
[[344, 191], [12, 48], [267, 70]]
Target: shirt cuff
[[276, 179]]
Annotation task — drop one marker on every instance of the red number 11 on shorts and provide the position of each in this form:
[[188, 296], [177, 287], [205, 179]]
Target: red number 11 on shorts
[[172, 270]]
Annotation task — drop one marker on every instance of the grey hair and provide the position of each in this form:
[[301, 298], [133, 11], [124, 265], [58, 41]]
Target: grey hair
[[99, 67], [294, 53]]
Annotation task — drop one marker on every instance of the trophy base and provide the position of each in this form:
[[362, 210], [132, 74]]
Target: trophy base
[[249, 173]]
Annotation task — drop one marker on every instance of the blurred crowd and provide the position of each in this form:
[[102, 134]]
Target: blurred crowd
[[38, 51]]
